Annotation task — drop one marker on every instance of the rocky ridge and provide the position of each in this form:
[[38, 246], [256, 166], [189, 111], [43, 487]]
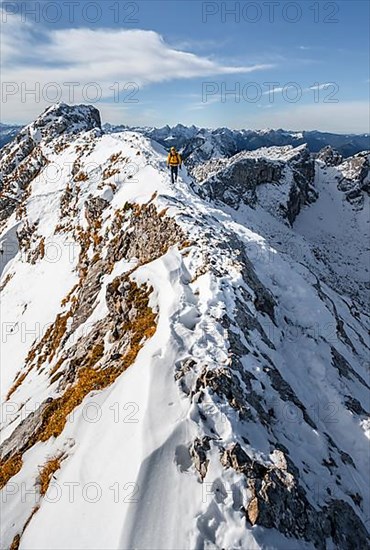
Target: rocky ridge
[[162, 285]]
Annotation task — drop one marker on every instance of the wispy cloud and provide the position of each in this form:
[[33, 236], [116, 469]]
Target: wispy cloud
[[203, 104], [296, 86], [119, 56], [277, 90], [317, 87]]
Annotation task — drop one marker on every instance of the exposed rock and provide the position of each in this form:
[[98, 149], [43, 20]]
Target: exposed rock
[[90, 288], [344, 368], [354, 178], [278, 501], [18, 442], [329, 156], [287, 394], [236, 180], [148, 236], [198, 452], [94, 208], [355, 406], [224, 383]]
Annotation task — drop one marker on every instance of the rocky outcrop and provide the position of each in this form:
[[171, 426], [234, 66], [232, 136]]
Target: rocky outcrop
[[354, 178], [84, 367], [198, 453], [278, 501], [150, 233], [238, 180], [329, 156]]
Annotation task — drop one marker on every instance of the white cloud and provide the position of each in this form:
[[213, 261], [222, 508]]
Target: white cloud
[[324, 86], [276, 90], [279, 89], [83, 55]]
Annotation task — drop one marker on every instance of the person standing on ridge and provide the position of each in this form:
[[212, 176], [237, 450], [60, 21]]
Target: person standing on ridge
[[174, 161]]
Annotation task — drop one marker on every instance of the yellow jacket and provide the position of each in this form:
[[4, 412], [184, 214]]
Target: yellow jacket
[[174, 159]]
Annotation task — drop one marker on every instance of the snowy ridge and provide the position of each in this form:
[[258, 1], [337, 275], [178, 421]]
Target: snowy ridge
[[230, 381]]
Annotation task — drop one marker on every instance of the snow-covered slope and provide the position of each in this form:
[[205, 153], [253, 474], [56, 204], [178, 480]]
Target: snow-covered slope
[[326, 201], [171, 377]]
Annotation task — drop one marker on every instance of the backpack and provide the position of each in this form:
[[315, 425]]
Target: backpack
[[177, 157]]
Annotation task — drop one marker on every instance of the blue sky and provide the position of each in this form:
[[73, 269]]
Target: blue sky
[[204, 63]]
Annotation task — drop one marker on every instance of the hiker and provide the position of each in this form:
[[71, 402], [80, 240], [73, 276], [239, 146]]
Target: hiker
[[174, 161]]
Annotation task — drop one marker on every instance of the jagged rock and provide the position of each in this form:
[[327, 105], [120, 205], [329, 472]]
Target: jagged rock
[[90, 288], [234, 181], [224, 383], [198, 452], [329, 156], [148, 235], [355, 406], [237, 180], [18, 442], [235, 457], [151, 234], [287, 394], [354, 178], [344, 368], [94, 208], [184, 367], [346, 529], [62, 119], [278, 501]]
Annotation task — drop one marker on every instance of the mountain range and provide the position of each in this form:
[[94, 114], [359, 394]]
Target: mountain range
[[230, 142]]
